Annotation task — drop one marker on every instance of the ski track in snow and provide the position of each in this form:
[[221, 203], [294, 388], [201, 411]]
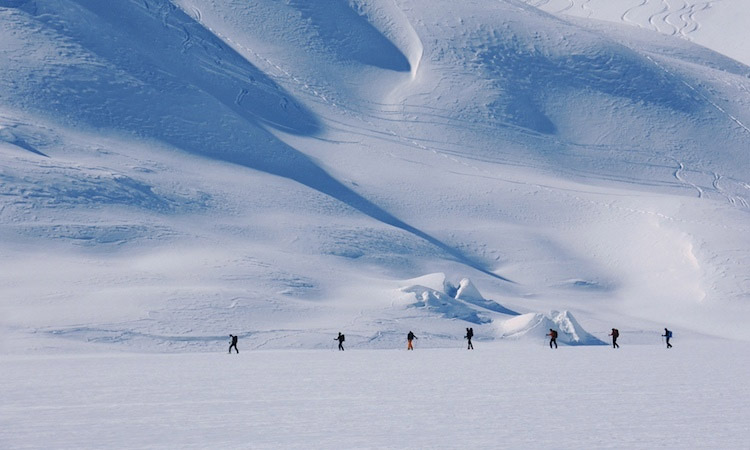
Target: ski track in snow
[[567, 7], [678, 17], [586, 8], [701, 95], [241, 96], [373, 130], [280, 71], [624, 18], [679, 176]]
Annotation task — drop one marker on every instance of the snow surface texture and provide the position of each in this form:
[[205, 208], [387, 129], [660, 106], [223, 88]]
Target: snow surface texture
[[502, 395], [708, 23], [175, 171]]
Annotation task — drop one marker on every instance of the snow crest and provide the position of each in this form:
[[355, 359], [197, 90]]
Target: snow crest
[[537, 325]]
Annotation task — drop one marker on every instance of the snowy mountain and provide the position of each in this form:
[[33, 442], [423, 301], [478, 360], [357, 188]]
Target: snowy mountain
[[175, 171]]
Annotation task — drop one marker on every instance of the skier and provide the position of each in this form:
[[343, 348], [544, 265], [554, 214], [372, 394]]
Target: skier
[[668, 335], [233, 344], [615, 334], [469, 335], [552, 337], [410, 337], [341, 340]]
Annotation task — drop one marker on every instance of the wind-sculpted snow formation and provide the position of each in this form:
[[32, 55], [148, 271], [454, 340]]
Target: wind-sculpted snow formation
[[173, 171], [462, 302], [537, 325]]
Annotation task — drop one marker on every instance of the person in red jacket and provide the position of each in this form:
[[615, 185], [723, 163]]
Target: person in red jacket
[[615, 334], [552, 337]]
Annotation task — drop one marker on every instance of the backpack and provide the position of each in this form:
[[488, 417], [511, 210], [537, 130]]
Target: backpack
[[553, 334], [669, 334], [615, 332], [343, 338]]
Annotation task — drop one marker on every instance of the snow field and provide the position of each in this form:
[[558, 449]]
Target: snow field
[[498, 396]]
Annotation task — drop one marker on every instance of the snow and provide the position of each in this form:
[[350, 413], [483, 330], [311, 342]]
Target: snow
[[536, 326], [175, 171], [703, 22], [505, 395], [303, 159]]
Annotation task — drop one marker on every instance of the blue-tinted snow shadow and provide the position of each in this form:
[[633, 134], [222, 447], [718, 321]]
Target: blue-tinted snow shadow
[[525, 76], [163, 76], [156, 35], [6, 135], [350, 35]]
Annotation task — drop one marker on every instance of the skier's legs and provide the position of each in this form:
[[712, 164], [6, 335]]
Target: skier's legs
[[409, 346]]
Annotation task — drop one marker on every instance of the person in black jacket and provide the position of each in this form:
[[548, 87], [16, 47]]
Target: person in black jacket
[[341, 340], [668, 335], [615, 334], [233, 344], [409, 338], [469, 335]]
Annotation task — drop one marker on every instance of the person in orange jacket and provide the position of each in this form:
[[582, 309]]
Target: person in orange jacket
[[409, 338]]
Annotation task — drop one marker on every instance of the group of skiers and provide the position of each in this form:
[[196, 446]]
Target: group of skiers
[[469, 335]]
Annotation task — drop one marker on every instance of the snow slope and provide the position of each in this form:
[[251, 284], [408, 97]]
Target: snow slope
[[175, 171], [706, 23]]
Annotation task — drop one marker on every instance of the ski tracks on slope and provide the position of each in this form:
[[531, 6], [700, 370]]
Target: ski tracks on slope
[[681, 19], [699, 94], [679, 174], [670, 17], [734, 191]]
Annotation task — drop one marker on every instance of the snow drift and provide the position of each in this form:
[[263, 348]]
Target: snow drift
[[537, 325]]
